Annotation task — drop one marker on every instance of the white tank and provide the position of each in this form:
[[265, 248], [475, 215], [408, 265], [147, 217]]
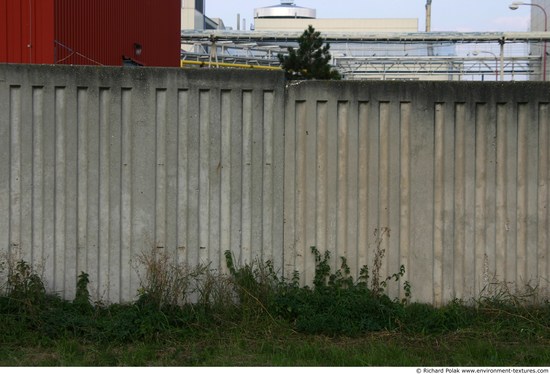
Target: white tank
[[287, 9]]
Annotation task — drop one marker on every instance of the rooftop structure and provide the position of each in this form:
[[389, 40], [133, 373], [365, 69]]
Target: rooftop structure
[[287, 9], [289, 17], [193, 17]]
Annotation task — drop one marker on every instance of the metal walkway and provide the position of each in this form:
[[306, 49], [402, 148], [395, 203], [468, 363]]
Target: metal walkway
[[434, 55]]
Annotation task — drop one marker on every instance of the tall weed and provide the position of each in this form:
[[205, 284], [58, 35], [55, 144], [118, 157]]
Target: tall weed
[[166, 282], [338, 304], [25, 290]]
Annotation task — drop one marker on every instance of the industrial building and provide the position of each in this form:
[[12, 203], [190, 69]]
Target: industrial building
[[193, 17], [349, 56], [287, 16], [378, 49], [539, 22], [91, 32]]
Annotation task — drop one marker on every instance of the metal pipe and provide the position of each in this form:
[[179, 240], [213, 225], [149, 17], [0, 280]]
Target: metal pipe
[[227, 65], [428, 15], [501, 42]]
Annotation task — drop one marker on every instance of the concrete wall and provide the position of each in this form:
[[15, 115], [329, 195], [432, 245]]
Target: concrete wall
[[450, 179], [99, 165]]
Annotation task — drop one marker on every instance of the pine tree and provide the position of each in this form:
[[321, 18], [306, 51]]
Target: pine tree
[[311, 60]]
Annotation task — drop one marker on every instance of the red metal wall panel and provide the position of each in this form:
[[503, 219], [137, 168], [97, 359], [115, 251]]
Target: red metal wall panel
[[42, 32], [90, 32], [26, 31], [102, 32]]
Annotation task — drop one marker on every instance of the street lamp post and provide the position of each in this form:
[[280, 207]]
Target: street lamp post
[[475, 53], [514, 6]]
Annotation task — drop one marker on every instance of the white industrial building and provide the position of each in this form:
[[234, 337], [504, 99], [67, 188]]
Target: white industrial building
[[288, 16]]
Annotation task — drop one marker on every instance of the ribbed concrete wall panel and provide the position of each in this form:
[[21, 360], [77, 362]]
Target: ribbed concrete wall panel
[[102, 165], [449, 180]]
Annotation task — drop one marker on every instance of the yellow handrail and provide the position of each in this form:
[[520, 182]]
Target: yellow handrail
[[227, 65]]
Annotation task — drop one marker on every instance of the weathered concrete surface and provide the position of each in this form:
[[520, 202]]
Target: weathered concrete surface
[[457, 172], [100, 164]]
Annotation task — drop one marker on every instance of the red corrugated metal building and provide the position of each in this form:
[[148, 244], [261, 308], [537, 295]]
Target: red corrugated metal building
[[90, 32]]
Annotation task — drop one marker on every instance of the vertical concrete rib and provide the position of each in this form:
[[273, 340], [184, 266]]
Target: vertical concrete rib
[[531, 276], [543, 201], [511, 180], [236, 175], [192, 164], [160, 170], [82, 173], [278, 174], [267, 179], [448, 202], [183, 202], [192, 150], [405, 190], [343, 181], [171, 167], [459, 199], [301, 194], [204, 180], [91, 196], [394, 172], [37, 175], [104, 205], [49, 186], [214, 176], [26, 158], [245, 254], [309, 155], [5, 170], [126, 201], [481, 272], [384, 180], [501, 222], [60, 190], [522, 194], [373, 166], [439, 195], [490, 194], [71, 195], [321, 214], [114, 154], [14, 250], [332, 182], [363, 183], [256, 176], [289, 193], [352, 186], [470, 201], [226, 171]]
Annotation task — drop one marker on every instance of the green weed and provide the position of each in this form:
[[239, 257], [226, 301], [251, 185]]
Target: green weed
[[254, 316], [25, 289], [337, 304]]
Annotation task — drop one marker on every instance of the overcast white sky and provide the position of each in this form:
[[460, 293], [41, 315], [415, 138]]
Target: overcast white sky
[[447, 15]]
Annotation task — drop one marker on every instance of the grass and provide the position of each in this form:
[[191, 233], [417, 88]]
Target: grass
[[269, 345], [253, 317]]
